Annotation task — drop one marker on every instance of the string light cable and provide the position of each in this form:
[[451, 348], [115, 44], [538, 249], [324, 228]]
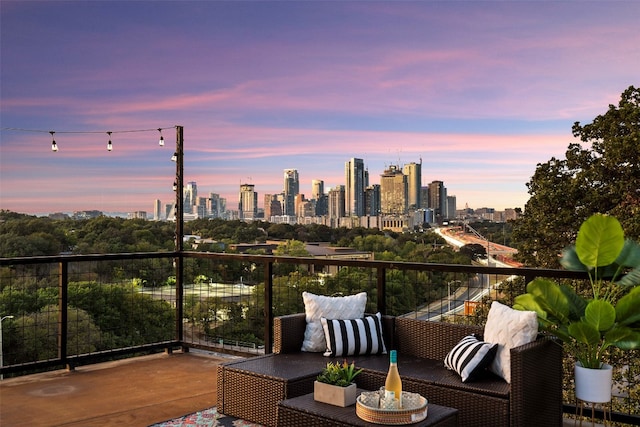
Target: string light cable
[[54, 145]]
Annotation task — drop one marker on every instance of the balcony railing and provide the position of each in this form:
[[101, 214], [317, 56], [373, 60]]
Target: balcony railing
[[65, 311]]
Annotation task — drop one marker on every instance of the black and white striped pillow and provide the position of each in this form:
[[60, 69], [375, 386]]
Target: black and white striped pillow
[[470, 357], [354, 337]]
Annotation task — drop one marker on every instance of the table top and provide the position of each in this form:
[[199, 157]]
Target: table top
[[435, 415]]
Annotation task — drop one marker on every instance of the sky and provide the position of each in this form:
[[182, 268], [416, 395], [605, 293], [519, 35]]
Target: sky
[[480, 92]]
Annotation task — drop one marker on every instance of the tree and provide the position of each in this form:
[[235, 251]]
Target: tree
[[600, 174]]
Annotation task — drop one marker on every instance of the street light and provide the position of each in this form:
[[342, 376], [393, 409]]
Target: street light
[[1, 319]]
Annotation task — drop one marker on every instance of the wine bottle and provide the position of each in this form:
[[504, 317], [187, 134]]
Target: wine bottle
[[393, 384]]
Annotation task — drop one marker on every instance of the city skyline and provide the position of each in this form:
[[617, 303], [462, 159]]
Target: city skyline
[[480, 91]]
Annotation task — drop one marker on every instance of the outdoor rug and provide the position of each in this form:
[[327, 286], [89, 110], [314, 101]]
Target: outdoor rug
[[207, 418]]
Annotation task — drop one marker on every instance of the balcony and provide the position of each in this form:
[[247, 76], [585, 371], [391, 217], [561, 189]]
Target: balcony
[[221, 303]]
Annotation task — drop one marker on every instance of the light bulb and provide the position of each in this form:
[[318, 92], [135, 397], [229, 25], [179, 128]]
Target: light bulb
[[161, 142], [175, 186], [54, 146], [109, 144], [174, 158]]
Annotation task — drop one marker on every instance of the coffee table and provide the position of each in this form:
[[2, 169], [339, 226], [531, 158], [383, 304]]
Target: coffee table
[[304, 411]]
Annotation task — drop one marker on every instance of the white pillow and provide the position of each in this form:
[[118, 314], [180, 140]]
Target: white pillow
[[508, 328], [318, 306], [353, 337]]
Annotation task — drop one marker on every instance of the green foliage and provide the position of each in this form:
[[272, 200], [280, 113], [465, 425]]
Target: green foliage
[[611, 317], [340, 374], [601, 173]]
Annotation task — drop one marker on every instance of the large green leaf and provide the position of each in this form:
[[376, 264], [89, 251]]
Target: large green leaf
[[630, 255], [628, 308], [624, 338], [600, 314], [550, 298], [600, 240], [584, 333]]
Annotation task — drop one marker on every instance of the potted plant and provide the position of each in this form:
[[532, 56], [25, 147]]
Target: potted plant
[[335, 384], [609, 316]]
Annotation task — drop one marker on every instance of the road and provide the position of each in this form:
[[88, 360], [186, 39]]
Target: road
[[476, 287]]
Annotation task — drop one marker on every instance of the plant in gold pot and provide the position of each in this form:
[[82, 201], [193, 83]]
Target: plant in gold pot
[[609, 316], [335, 384]]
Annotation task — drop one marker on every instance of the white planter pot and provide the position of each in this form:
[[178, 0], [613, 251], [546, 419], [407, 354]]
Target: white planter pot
[[593, 385], [334, 395]]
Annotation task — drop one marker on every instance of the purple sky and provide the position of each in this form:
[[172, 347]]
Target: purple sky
[[480, 91]]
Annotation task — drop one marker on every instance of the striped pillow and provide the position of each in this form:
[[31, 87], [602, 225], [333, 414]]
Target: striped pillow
[[470, 357], [353, 337]]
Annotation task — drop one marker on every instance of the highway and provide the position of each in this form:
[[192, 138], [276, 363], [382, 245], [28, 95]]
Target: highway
[[474, 289]]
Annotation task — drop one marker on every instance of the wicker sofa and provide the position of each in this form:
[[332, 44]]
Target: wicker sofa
[[251, 388]]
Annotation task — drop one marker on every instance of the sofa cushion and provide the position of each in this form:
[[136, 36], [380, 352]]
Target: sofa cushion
[[318, 306], [470, 357], [348, 337], [508, 328]]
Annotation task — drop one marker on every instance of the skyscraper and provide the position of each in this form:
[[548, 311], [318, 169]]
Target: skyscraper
[[372, 200], [438, 199], [413, 172], [248, 205], [354, 187], [157, 210], [393, 192], [190, 197], [291, 190], [317, 188], [336, 202]]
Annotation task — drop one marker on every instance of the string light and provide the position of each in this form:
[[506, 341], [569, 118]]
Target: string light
[[54, 146], [174, 158]]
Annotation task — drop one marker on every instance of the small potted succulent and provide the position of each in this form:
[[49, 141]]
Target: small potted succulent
[[335, 384]]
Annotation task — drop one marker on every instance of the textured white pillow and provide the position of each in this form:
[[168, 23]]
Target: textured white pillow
[[318, 306], [508, 328]]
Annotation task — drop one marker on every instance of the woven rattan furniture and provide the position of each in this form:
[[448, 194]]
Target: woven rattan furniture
[[251, 388], [304, 411]]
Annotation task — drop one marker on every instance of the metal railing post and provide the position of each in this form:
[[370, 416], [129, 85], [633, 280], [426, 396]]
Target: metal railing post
[[268, 307], [381, 289], [63, 313]]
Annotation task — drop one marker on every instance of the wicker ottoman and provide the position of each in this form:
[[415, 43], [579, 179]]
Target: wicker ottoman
[[250, 389]]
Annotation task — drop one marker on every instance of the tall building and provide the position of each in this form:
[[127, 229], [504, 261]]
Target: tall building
[[272, 206], [291, 190], [321, 199], [317, 188], [393, 192], [248, 205], [354, 187], [451, 207], [200, 207], [438, 199], [157, 210], [190, 197], [372, 200], [337, 202], [214, 206], [413, 172]]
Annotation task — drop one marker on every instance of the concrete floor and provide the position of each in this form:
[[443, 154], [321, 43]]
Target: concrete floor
[[133, 392]]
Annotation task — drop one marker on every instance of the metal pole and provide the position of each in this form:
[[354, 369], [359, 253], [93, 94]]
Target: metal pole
[[179, 229], [1, 319]]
